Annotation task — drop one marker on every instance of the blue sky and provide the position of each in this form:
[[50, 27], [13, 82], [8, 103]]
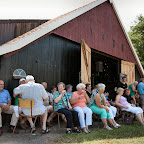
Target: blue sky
[[48, 9]]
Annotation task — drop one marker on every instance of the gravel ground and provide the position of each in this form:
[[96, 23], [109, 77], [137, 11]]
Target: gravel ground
[[26, 138]]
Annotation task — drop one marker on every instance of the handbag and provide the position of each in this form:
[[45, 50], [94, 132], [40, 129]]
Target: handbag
[[128, 120]]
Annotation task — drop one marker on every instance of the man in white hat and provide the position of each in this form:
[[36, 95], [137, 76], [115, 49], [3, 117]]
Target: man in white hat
[[21, 81], [35, 91]]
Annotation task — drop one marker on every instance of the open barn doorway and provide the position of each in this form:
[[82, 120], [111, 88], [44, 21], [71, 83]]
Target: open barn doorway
[[105, 69]]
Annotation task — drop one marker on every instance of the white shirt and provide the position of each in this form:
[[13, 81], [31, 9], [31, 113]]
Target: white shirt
[[49, 100], [35, 91]]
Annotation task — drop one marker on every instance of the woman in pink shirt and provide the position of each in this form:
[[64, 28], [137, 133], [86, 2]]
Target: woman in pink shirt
[[78, 100]]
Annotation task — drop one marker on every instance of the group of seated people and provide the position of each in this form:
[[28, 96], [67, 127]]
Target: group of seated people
[[76, 108]]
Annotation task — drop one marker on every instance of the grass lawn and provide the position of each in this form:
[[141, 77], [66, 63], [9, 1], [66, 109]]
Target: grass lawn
[[133, 134]]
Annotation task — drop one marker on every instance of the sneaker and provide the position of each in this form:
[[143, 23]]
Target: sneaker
[[108, 128], [69, 132]]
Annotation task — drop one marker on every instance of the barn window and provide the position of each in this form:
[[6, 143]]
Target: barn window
[[91, 31], [103, 37], [19, 73], [122, 47], [113, 43]]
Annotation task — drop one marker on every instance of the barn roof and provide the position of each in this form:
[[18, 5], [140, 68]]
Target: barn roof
[[51, 25]]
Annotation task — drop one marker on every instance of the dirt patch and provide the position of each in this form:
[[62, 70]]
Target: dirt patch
[[26, 138]]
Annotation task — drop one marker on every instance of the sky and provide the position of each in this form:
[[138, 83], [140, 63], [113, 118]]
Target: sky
[[49, 9]]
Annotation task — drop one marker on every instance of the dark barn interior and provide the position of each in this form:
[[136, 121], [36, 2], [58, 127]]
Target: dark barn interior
[[105, 69]]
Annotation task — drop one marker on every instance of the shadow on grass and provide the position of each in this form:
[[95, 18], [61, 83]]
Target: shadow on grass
[[125, 132]]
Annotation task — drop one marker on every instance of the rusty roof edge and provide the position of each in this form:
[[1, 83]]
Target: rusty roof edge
[[128, 38], [45, 28]]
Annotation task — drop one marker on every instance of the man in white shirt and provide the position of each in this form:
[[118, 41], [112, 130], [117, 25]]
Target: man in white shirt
[[35, 91]]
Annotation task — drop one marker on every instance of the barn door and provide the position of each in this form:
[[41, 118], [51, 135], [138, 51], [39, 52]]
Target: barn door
[[85, 63], [128, 68]]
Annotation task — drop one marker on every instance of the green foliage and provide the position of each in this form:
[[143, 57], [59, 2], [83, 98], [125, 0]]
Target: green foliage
[[137, 37]]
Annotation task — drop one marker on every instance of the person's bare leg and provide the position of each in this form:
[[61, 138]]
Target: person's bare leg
[[31, 122], [52, 115], [111, 121], [104, 121], [140, 119], [44, 121], [63, 118]]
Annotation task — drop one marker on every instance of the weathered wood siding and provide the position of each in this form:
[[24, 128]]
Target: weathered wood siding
[[51, 59], [10, 29]]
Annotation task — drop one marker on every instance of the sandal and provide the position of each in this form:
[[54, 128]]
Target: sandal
[[85, 131], [118, 125], [108, 128], [115, 126], [88, 130]]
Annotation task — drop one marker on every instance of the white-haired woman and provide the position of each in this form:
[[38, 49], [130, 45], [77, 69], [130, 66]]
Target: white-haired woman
[[125, 106], [98, 106], [78, 100]]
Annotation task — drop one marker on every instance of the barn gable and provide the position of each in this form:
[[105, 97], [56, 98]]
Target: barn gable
[[101, 30], [96, 22]]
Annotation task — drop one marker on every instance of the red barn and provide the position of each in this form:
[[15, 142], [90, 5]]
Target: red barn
[[54, 51]]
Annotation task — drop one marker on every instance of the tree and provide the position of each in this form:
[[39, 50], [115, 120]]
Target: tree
[[137, 37]]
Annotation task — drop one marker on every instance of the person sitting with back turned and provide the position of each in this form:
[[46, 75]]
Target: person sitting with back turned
[[6, 107], [35, 91], [125, 106], [23, 125], [62, 105], [88, 90], [21, 81], [98, 106], [78, 100], [94, 89], [53, 89], [69, 90]]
